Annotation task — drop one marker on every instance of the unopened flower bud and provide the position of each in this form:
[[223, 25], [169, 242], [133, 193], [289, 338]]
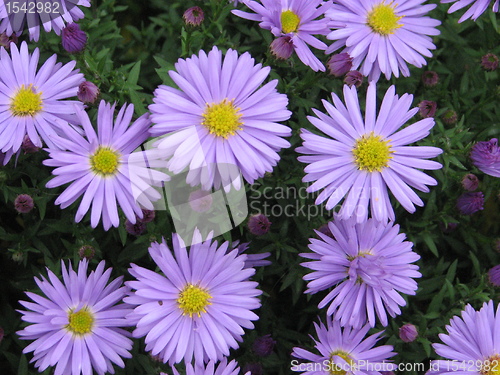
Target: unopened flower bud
[[427, 108], [86, 251], [339, 64], [470, 182], [259, 224], [263, 346], [87, 92], [430, 78], [194, 16], [73, 39], [408, 332], [282, 47], [489, 62], [353, 78], [23, 203]]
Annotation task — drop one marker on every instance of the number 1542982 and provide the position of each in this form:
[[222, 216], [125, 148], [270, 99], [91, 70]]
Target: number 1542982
[[31, 7]]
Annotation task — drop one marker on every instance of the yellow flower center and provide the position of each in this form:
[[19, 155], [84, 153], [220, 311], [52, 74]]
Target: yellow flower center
[[383, 20], [105, 161], [371, 153], [289, 21], [222, 119], [193, 300], [491, 366], [80, 322], [26, 102], [338, 368], [362, 254]]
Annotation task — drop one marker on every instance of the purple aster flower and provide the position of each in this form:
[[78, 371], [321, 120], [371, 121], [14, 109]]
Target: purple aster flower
[[343, 351], [88, 92], [263, 346], [253, 260], [221, 118], [427, 108], [33, 102], [339, 64], [73, 39], [282, 47], [477, 8], [353, 78], [469, 203], [223, 368], [194, 16], [76, 327], [489, 62], [23, 203], [408, 333], [200, 304], [430, 78], [296, 19], [471, 345], [367, 156], [494, 275], [51, 14], [259, 224], [103, 168], [368, 264], [382, 36], [486, 157], [470, 182]]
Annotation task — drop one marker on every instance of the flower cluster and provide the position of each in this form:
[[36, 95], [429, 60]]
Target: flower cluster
[[217, 123]]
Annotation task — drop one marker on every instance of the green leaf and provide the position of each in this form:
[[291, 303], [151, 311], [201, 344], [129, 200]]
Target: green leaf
[[430, 243], [23, 366], [133, 75]]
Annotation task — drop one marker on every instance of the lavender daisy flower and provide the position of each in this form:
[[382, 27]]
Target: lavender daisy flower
[[223, 368], [471, 345], [382, 36], [76, 327], [53, 15], [200, 304], [367, 156], [368, 265], [477, 8], [296, 19], [486, 157], [32, 101], [103, 168], [221, 118], [343, 351]]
